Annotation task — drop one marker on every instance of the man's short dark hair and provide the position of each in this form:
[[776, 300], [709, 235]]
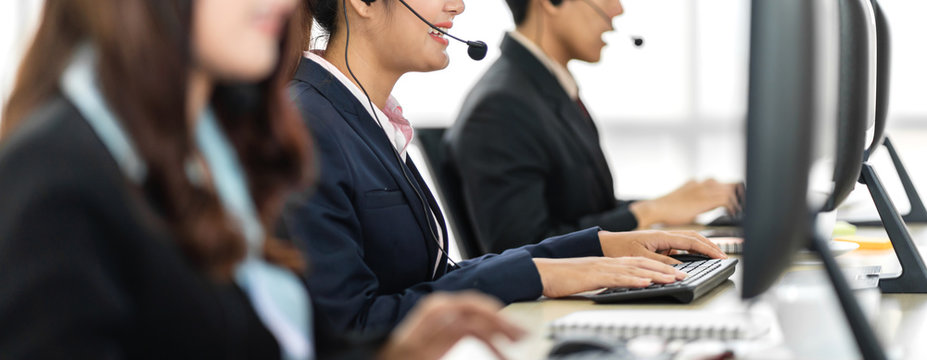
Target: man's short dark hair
[[519, 10]]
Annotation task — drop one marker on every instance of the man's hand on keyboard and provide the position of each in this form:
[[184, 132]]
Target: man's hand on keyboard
[[681, 206], [653, 244]]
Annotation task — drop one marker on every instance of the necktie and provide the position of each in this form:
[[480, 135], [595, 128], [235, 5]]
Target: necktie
[[582, 108], [587, 120], [394, 113]]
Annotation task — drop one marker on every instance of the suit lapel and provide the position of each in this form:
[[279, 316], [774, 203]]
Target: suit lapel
[[435, 209], [358, 118]]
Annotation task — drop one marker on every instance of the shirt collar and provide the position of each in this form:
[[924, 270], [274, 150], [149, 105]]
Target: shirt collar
[[397, 137], [79, 84], [560, 72]]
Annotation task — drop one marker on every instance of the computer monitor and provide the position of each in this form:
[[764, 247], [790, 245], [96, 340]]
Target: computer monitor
[[785, 109], [780, 114], [856, 102], [918, 211], [792, 132], [913, 276], [883, 77]]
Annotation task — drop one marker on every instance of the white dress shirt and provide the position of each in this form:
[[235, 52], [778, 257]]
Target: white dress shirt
[[560, 72], [395, 135]]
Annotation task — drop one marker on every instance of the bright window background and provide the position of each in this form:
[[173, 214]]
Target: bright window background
[[17, 22], [675, 109], [669, 111]]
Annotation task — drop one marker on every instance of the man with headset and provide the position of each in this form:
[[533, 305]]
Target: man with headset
[[527, 151]]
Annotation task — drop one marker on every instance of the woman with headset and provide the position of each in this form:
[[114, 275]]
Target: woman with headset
[[143, 156], [376, 234]]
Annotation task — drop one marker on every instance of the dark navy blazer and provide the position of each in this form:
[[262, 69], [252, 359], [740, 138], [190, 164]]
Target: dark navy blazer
[[365, 232]]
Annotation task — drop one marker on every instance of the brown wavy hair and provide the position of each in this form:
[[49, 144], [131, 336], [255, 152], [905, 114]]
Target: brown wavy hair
[[144, 53]]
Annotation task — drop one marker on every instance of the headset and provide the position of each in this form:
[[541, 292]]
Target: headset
[[636, 40], [476, 50]]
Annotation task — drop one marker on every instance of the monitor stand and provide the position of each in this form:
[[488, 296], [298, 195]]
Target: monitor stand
[[866, 340], [918, 213], [913, 278]]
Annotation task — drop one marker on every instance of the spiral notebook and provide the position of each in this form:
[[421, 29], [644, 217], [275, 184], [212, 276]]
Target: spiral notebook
[[730, 245], [669, 324]]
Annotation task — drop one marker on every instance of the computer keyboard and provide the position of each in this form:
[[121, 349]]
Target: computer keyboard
[[735, 219], [704, 275]]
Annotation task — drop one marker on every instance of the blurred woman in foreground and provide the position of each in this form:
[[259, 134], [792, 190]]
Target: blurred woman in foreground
[[146, 147]]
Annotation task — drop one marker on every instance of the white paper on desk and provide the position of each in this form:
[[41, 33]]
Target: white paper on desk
[[669, 324], [471, 348], [707, 217]]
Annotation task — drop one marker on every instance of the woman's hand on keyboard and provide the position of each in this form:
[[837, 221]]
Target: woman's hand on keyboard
[[653, 244], [563, 277]]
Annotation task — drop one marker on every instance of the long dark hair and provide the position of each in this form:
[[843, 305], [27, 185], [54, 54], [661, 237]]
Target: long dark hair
[[144, 58], [326, 14]]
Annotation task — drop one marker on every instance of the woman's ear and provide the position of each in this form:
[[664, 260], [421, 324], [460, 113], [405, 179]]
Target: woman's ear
[[363, 8], [549, 6]]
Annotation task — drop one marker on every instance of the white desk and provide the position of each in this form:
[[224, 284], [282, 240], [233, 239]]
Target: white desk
[[907, 313]]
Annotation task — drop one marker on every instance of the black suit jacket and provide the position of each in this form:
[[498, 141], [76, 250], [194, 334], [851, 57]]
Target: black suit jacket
[[529, 158], [367, 233], [87, 269]]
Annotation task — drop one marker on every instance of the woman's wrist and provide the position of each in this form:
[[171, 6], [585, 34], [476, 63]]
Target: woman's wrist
[[543, 266], [391, 351]]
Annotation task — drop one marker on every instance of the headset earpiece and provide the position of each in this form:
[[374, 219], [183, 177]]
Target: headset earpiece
[[368, 2], [556, 2]]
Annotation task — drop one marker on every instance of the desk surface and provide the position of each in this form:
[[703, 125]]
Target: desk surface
[[904, 315]]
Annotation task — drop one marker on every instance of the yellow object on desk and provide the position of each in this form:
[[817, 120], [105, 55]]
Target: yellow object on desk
[[867, 242], [843, 228]]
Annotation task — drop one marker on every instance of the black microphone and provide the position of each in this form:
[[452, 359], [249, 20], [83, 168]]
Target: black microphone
[[476, 49], [637, 40]]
